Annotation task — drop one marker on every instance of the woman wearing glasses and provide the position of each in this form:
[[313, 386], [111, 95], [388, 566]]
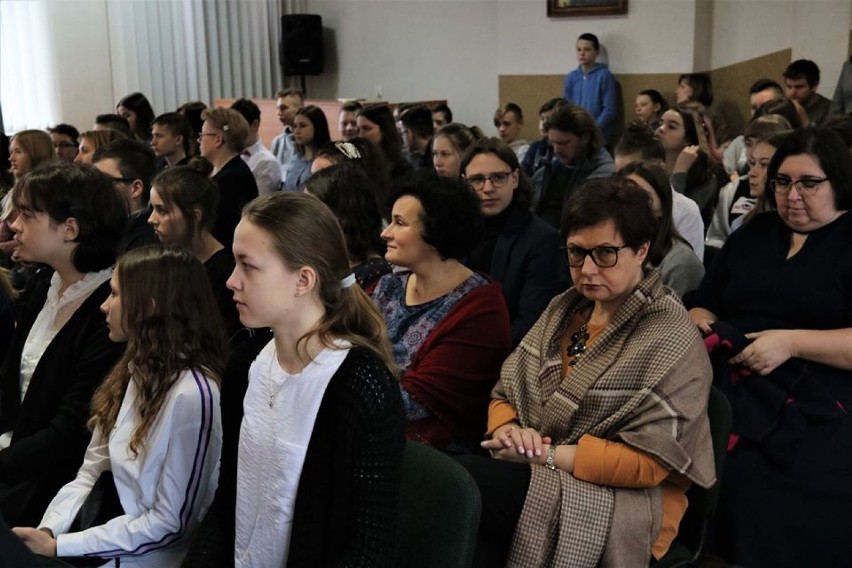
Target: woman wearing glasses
[[599, 416], [784, 279], [448, 325], [517, 249]]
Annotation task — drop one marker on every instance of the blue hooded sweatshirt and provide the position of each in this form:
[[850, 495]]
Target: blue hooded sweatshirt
[[595, 92]]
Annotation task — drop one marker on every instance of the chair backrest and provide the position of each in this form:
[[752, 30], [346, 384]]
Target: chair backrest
[[439, 510], [692, 532]]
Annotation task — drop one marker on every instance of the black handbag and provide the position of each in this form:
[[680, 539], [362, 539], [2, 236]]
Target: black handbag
[[101, 505]]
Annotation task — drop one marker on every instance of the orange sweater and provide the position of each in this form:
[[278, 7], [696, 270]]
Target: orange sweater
[[614, 464]]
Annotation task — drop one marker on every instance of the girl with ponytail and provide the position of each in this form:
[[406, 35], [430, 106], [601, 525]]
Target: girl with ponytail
[[323, 431]]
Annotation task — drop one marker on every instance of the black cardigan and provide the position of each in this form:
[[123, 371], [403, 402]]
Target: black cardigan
[[345, 513], [50, 434]]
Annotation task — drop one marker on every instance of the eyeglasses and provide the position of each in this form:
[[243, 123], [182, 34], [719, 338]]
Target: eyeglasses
[[202, 134], [805, 186], [497, 179], [603, 256]]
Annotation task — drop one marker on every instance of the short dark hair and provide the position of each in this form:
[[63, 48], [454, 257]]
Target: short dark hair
[[523, 193], [803, 68], [592, 38], [639, 139], [701, 85], [351, 195], [178, 125], [451, 215], [618, 200], [65, 130], [116, 122], [82, 192], [574, 119], [829, 150], [445, 110], [136, 160], [351, 106], [247, 108], [765, 85], [552, 104], [418, 119]]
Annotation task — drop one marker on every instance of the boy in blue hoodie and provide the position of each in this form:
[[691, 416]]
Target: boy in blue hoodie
[[592, 86]]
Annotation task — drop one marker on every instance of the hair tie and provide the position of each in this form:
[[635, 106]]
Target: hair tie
[[348, 281]]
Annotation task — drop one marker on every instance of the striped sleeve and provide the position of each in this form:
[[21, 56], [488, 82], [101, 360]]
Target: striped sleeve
[[183, 482]]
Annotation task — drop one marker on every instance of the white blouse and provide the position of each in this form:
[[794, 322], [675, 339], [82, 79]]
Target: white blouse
[[280, 411]]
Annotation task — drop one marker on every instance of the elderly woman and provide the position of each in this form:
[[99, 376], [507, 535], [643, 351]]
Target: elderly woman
[[598, 424], [784, 279], [448, 325]]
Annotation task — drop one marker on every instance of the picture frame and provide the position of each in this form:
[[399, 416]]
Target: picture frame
[[573, 8]]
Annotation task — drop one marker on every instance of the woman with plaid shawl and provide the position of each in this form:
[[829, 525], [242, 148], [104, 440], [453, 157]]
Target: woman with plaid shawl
[[598, 424]]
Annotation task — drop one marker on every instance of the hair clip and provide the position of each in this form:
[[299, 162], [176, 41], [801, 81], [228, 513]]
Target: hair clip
[[348, 149], [226, 128]]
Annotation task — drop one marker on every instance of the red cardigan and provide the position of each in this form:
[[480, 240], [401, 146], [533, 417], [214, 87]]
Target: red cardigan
[[454, 370]]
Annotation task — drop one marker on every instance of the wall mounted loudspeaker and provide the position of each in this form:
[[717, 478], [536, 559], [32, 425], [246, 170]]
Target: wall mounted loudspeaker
[[301, 44]]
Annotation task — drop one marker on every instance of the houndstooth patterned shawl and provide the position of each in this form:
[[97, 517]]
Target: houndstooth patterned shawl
[[644, 382]]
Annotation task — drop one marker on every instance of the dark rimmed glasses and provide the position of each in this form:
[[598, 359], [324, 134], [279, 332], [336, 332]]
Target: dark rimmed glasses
[[497, 179], [805, 186], [603, 256]]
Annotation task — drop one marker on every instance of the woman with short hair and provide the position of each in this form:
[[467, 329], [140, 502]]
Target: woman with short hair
[[599, 423], [448, 325], [221, 140]]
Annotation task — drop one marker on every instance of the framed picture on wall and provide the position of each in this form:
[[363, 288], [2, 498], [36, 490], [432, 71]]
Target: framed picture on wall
[[571, 8]]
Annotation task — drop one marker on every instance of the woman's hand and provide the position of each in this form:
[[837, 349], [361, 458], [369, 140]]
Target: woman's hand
[[769, 349], [686, 158], [38, 540], [512, 443], [703, 319]]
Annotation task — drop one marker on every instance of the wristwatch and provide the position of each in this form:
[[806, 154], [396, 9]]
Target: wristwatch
[[551, 456]]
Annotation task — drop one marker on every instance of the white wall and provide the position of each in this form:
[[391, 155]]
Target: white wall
[[412, 50], [457, 49], [815, 30], [81, 42]]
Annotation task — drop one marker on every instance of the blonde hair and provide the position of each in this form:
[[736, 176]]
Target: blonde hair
[[305, 232], [98, 138], [234, 127], [37, 144]]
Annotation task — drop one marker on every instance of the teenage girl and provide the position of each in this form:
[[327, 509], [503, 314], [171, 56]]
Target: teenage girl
[[155, 418], [322, 436]]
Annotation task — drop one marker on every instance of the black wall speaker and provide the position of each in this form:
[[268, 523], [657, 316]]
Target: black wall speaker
[[301, 44]]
